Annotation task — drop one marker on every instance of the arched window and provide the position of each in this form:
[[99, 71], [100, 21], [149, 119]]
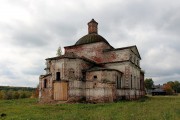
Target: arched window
[[45, 83], [83, 75], [58, 76], [141, 84], [131, 82], [135, 82], [118, 82]]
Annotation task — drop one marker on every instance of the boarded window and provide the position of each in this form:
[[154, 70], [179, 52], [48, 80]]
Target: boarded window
[[45, 83], [58, 76], [71, 73]]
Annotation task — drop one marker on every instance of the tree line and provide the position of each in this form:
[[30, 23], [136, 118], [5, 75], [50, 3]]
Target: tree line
[[7, 92], [16, 88], [170, 87]]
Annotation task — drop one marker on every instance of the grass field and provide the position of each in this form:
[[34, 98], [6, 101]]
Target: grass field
[[153, 108]]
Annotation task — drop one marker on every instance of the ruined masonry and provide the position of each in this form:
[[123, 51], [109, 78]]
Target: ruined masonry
[[93, 71]]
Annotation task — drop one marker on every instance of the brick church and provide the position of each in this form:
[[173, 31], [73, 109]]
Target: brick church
[[92, 70]]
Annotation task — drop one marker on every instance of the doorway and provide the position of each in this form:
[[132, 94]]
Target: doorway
[[60, 91]]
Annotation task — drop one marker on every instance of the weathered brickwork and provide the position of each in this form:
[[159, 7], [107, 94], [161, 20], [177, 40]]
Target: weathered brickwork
[[94, 50], [92, 71]]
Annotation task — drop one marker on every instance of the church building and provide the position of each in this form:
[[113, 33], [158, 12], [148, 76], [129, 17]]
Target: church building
[[93, 71]]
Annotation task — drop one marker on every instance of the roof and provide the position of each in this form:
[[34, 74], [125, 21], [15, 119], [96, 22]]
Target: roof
[[120, 62], [91, 38], [43, 76], [128, 47], [71, 56], [92, 21], [158, 90]]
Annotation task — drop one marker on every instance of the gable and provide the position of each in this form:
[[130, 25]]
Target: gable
[[135, 51], [132, 48]]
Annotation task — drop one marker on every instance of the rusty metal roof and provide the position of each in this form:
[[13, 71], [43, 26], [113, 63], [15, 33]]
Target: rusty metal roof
[[92, 21], [71, 56], [91, 38]]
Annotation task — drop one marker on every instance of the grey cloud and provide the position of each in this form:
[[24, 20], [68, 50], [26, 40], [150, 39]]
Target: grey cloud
[[8, 73], [30, 36], [28, 39], [148, 24], [164, 79], [37, 69]]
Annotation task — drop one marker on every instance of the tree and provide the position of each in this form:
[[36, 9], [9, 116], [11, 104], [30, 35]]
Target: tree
[[174, 85], [7, 95], [1, 95], [148, 83], [177, 86], [22, 94], [59, 52], [15, 95], [171, 83], [167, 87], [35, 94]]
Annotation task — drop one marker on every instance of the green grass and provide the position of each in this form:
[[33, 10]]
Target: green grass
[[153, 108]]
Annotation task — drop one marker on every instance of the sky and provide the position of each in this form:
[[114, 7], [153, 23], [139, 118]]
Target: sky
[[32, 30]]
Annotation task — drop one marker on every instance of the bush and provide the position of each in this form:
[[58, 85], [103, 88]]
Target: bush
[[1, 95], [15, 95], [10, 94]]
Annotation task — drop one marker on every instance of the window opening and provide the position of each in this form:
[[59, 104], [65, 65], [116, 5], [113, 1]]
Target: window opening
[[84, 75], [95, 77], [118, 82], [58, 76], [45, 83]]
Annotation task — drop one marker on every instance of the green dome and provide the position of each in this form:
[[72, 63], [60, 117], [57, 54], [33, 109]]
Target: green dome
[[90, 38]]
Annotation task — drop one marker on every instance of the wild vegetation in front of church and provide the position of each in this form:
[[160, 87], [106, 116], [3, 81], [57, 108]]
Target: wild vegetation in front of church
[[150, 108], [9, 92]]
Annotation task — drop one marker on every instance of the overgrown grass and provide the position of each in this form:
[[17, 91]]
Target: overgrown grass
[[151, 108]]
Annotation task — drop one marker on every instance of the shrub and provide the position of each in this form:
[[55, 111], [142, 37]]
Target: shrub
[[10, 94]]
